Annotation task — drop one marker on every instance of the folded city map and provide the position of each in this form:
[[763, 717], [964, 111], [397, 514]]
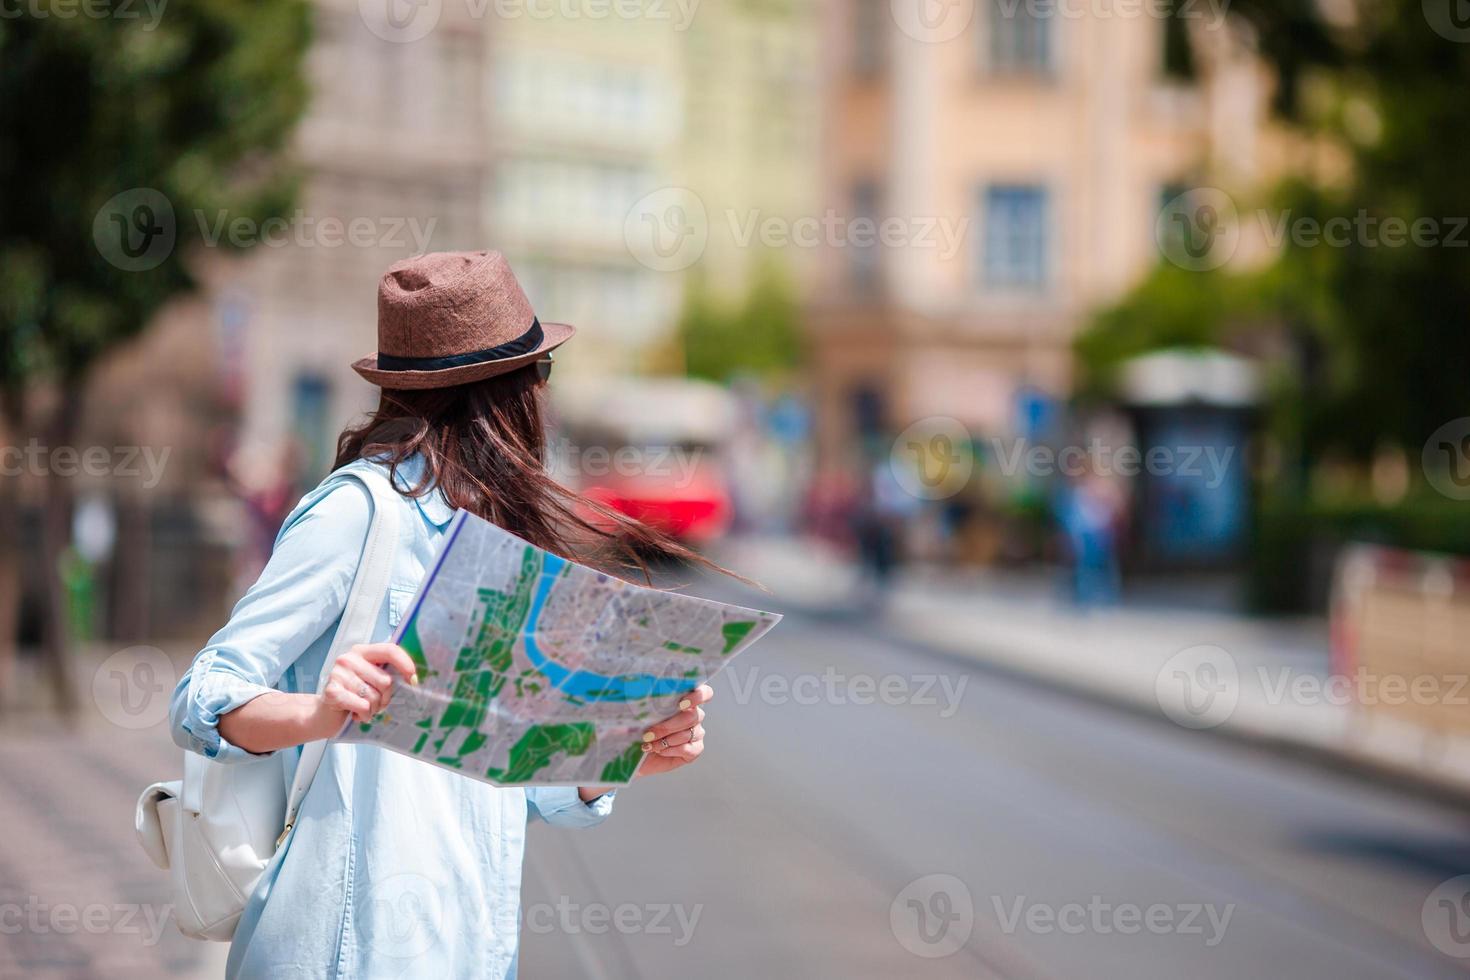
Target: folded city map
[[537, 671]]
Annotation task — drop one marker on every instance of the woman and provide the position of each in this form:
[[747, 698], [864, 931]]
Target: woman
[[395, 867]]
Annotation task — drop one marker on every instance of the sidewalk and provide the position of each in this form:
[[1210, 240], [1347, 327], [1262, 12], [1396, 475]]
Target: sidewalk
[[1265, 680], [78, 897]]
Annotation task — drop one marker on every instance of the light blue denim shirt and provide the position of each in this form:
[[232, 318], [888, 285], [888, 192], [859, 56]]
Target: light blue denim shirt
[[396, 868]]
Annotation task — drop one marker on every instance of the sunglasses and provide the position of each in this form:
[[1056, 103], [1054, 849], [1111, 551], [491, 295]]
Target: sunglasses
[[543, 367]]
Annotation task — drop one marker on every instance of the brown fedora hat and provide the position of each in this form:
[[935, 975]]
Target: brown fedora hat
[[449, 318]]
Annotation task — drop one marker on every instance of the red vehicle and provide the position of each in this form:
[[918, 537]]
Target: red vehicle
[[650, 448]]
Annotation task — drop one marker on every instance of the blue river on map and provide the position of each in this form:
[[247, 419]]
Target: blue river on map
[[584, 684]]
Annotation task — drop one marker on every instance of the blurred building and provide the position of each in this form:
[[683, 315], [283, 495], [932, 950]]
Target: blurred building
[[751, 140], [1018, 161], [393, 146], [583, 120], [597, 126]]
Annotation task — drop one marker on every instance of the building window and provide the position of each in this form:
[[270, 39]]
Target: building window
[[870, 39], [1016, 240], [1020, 39], [1173, 229], [311, 397], [863, 259]]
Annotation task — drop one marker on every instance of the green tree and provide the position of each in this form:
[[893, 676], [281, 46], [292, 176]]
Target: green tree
[[116, 130], [760, 335], [1377, 331]]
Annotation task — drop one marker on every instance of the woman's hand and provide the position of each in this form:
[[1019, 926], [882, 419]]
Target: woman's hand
[[359, 686], [678, 740]]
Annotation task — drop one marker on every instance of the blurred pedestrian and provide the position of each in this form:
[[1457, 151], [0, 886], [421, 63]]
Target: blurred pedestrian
[[1090, 512], [880, 523]]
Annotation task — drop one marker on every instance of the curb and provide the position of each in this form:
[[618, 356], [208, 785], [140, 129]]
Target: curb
[[1386, 750]]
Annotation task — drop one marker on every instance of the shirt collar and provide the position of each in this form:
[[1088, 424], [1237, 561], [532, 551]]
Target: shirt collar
[[432, 504]]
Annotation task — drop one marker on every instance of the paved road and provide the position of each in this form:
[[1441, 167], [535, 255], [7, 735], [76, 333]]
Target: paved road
[[1024, 833], [1020, 831], [78, 898]]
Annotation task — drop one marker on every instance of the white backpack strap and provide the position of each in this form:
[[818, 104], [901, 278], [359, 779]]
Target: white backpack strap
[[359, 616]]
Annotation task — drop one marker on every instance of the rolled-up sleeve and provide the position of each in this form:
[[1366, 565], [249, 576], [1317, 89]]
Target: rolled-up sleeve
[[562, 806], [298, 597]]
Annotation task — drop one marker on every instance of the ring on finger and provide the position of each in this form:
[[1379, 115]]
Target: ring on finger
[[364, 692]]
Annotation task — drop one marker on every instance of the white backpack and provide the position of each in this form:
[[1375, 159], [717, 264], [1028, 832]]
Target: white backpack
[[218, 829]]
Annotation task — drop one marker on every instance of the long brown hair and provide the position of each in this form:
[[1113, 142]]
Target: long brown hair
[[484, 447]]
